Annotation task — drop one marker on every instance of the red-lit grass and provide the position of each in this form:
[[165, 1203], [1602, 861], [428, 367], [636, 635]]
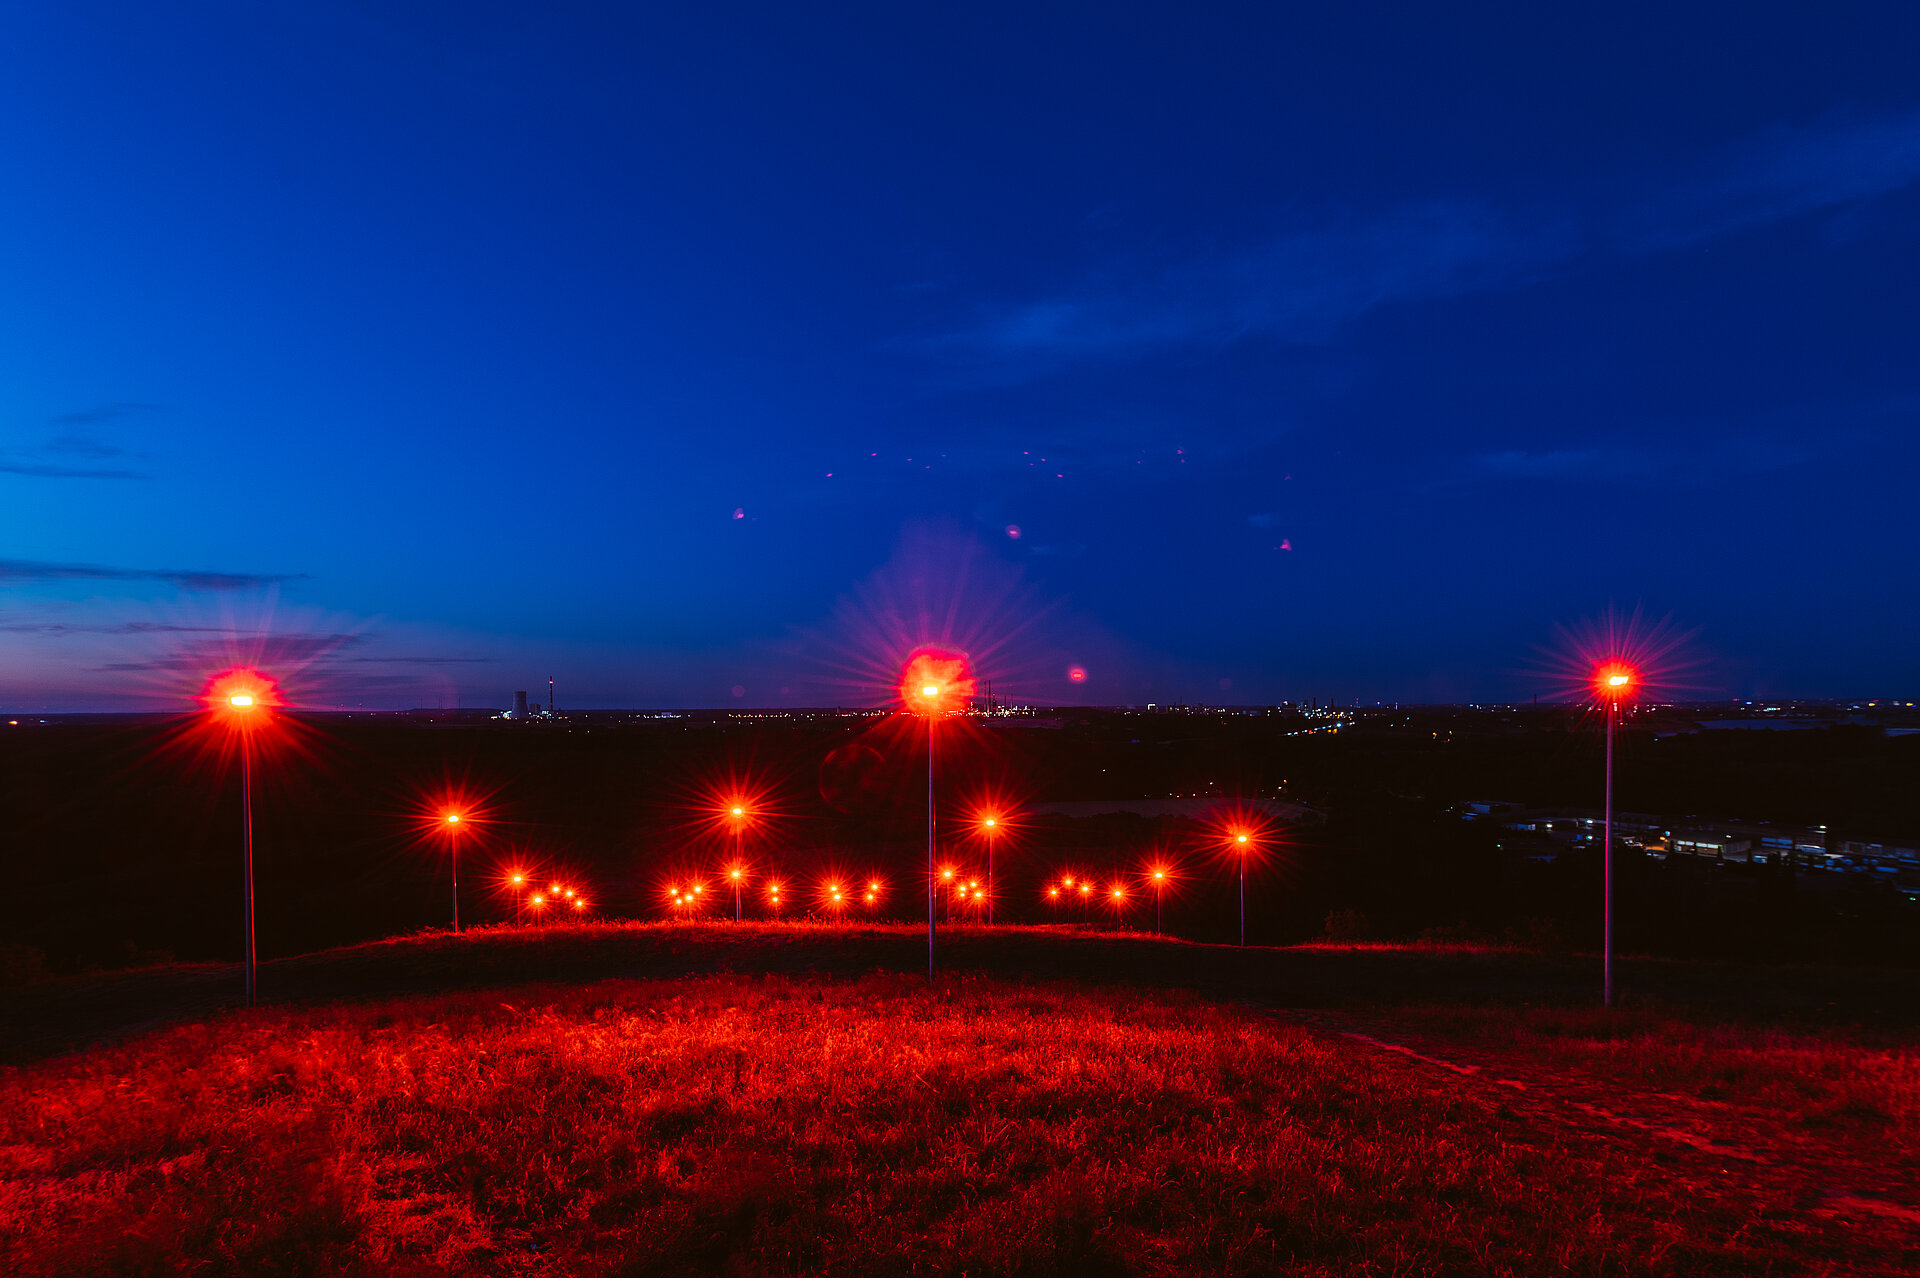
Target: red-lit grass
[[768, 1125], [1861, 1091]]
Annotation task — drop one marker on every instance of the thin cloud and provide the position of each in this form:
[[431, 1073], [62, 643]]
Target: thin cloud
[[278, 650], [124, 628], [1320, 273], [1651, 465], [43, 470], [100, 413], [28, 570]]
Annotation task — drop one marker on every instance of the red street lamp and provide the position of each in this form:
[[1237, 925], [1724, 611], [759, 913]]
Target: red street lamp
[[1242, 843], [737, 814], [244, 698], [450, 822], [933, 682], [1159, 876], [990, 826], [1613, 681]]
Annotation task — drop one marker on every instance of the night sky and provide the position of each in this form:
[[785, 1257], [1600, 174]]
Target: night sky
[[705, 355]]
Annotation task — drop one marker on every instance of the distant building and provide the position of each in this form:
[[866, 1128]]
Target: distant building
[[520, 705]]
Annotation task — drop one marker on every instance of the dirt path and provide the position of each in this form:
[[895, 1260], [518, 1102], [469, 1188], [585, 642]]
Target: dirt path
[[1715, 1145]]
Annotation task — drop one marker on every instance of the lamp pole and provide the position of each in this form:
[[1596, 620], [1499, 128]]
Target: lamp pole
[[1240, 841], [246, 808], [739, 850], [932, 881], [1606, 835], [993, 830], [452, 824]]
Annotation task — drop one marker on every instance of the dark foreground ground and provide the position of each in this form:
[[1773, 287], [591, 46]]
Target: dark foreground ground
[[60, 1015], [629, 1099]]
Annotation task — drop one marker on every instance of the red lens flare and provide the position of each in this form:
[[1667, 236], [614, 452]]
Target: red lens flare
[[1615, 659], [244, 695], [1243, 832], [936, 681], [1615, 681], [1160, 875], [452, 811]]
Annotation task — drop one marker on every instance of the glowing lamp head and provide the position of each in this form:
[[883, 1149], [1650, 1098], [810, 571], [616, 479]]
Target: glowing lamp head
[[453, 818], [739, 811], [1615, 680], [736, 874], [1159, 874], [240, 692], [1085, 888], [1053, 891], [539, 900], [1239, 838], [991, 822], [934, 680], [518, 879], [1117, 894]]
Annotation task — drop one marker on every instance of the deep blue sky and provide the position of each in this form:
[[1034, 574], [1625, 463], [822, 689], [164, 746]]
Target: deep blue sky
[[1363, 344]]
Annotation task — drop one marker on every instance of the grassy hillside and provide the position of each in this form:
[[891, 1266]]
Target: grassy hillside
[[871, 1124]]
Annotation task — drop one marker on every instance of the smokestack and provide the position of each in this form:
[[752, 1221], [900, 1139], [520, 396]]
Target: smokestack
[[549, 694], [519, 705]]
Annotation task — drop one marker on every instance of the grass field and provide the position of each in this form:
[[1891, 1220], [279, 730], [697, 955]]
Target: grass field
[[1862, 1089], [752, 1124]]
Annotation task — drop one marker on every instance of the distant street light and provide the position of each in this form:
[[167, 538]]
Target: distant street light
[[738, 813], [990, 826]]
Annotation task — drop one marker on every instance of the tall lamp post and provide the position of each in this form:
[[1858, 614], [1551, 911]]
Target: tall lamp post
[[1159, 893], [1240, 842], [450, 822], [931, 692], [1614, 682], [243, 706], [245, 698], [933, 681], [739, 814], [991, 827]]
